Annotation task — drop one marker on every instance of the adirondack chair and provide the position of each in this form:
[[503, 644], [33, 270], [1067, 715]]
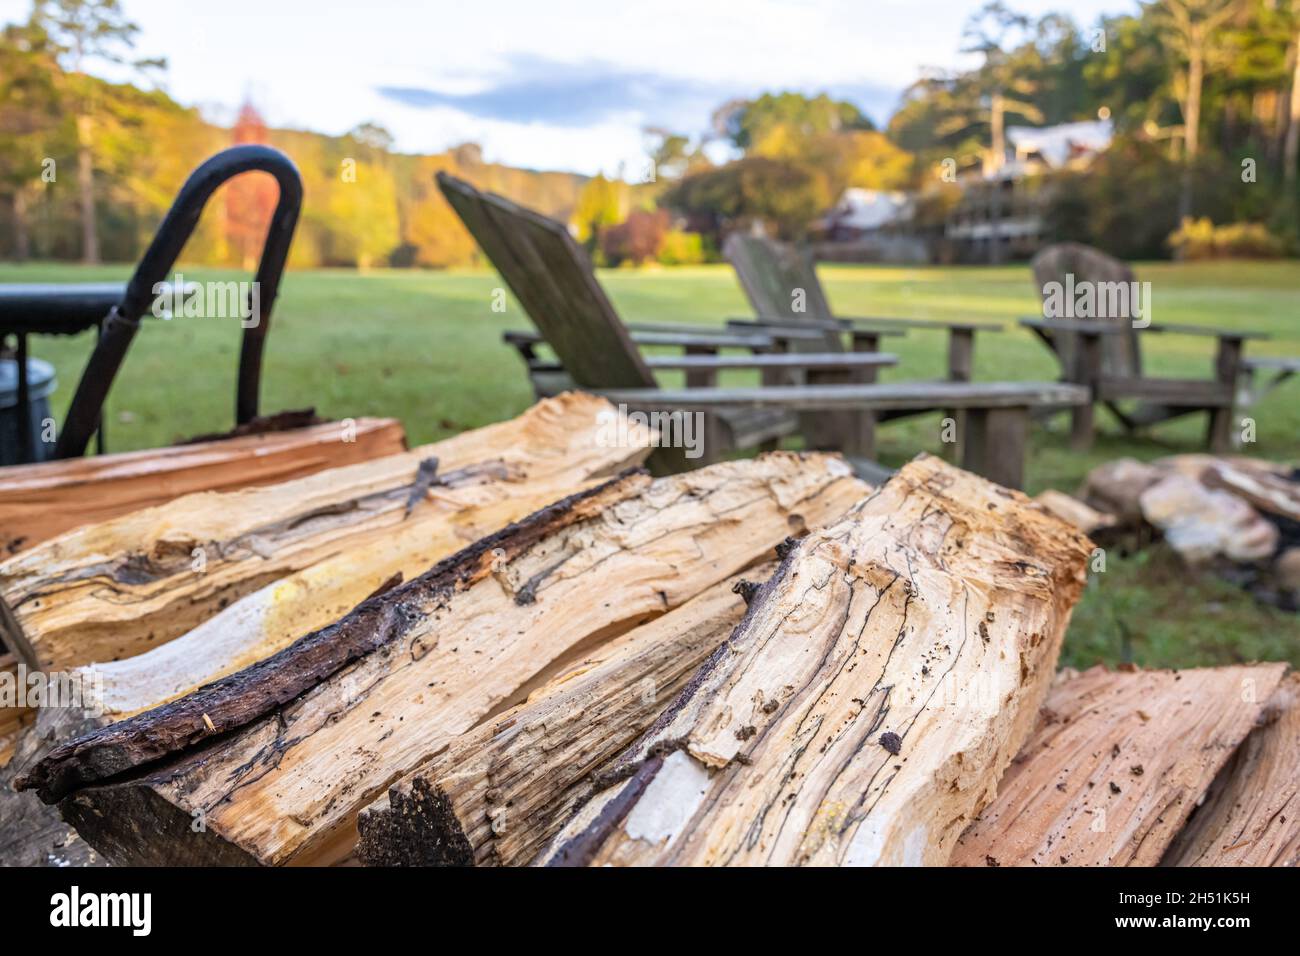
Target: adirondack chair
[[782, 285], [1104, 354], [552, 280], [548, 273]]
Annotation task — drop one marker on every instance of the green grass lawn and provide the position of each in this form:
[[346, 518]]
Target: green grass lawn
[[425, 348]]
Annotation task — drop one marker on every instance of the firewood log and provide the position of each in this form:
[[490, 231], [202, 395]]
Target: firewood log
[[1252, 814], [866, 706], [117, 589], [251, 629], [501, 791], [1267, 492], [40, 501], [272, 764], [12, 718], [1115, 766], [31, 833]]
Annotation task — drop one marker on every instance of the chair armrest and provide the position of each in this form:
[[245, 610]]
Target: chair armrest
[[784, 360], [1183, 329], [685, 328], [716, 340], [719, 340], [871, 323], [804, 329], [897, 395], [1085, 326]]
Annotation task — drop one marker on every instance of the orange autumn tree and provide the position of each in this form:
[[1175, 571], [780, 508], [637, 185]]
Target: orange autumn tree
[[251, 198]]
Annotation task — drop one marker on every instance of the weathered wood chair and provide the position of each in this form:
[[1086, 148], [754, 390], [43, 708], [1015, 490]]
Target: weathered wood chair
[[782, 286], [1104, 353], [552, 280], [549, 275]]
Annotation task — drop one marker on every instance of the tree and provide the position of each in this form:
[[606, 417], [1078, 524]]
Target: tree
[[637, 239], [777, 124], [859, 158], [1193, 28], [251, 198], [432, 233], [754, 192], [28, 120], [601, 204], [672, 155], [999, 82], [1291, 145], [85, 31], [362, 216]]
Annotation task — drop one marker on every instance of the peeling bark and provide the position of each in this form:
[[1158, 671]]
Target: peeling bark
[[117, 589], [297, 746], [500, 792]]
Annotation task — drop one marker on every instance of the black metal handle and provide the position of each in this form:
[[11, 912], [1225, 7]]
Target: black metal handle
[[123, 320]]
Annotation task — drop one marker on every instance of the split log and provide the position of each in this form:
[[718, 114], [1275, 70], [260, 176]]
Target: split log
[[116, 589], [1088, 520], [1114, 488], [1252, 815], [260, 624], [1268, 492], [251, 629], [1115, 766], [13, 719], [40, 501], [277, 760], [866, 706], [31, 833], [498, 794], [1200, 523]]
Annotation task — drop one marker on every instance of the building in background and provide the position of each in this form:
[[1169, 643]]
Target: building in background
[[870, 225]]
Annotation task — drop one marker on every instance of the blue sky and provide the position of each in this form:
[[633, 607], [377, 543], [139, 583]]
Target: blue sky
[[563, 84]]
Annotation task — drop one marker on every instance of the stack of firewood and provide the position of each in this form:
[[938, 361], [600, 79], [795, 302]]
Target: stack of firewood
[[1236, 516], [516, 647]]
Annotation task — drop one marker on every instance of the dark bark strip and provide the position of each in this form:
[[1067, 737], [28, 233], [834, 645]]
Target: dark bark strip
[[241, 698]]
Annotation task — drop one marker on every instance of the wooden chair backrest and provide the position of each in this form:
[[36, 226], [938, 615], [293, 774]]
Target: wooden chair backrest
[[549, 274], [776, 278], [1121, 355]]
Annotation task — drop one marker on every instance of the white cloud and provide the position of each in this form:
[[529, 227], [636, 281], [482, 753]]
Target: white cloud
[[320, 64]]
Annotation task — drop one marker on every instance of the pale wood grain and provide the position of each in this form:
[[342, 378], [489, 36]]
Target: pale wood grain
[[933, 613], [116, 589], [288, 787], [1251, 816], [1115, 766]]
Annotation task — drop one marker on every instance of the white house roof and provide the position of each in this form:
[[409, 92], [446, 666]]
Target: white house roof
[[868, 209], [1058, 144]]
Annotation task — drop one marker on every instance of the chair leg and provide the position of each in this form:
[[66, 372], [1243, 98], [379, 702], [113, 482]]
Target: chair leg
[[1082, 427], [1227, 368], [996, 440], [1220, 432], [838, 430], [1083, 420]]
